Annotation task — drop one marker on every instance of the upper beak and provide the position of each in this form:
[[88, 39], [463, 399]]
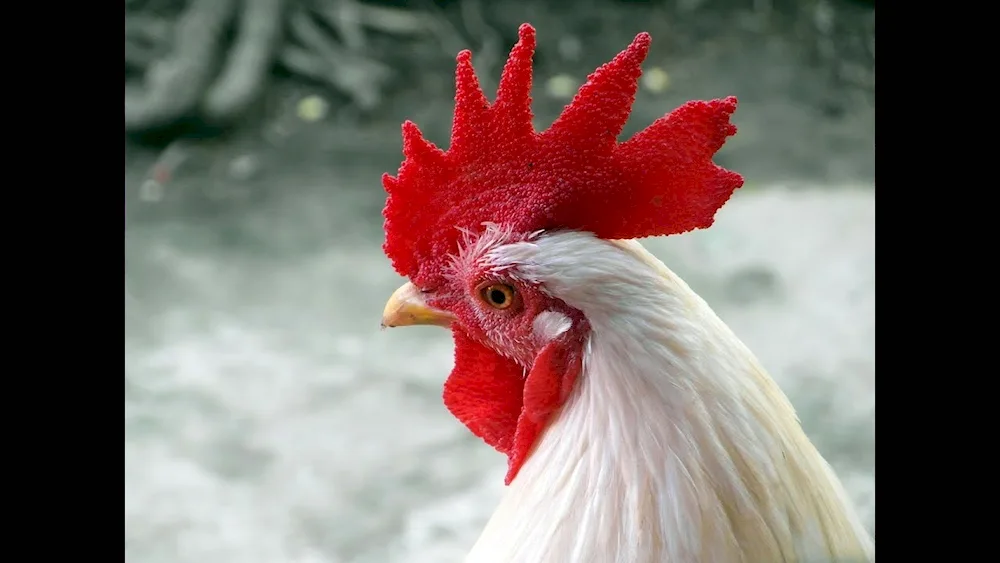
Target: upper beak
[[406, 307]]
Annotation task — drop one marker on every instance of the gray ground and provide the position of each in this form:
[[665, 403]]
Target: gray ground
[[268, 420]]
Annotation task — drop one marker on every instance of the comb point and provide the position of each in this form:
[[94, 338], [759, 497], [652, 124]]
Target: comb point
[[526, 32], [388, 182], [641, 41], [415, 145], [513, 100]]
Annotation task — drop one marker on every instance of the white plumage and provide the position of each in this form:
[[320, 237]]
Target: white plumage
[[675, 446]]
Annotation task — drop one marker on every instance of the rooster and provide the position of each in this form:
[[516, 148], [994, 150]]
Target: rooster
[[637, 427]]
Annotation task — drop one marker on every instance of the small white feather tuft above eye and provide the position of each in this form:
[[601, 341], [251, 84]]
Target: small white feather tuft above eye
[[550, 324]]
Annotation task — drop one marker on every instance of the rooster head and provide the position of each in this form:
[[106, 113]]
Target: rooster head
[[453, 216]]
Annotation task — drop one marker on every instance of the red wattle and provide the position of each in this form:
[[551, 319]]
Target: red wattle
[[490, 394]]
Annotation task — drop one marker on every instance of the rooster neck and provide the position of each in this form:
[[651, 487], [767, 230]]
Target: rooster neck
[[675, 446]]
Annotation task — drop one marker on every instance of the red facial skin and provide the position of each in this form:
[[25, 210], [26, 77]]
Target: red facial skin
[[507, 383]]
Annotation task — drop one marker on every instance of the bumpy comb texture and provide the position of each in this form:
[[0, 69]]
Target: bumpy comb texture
[[575, 175]]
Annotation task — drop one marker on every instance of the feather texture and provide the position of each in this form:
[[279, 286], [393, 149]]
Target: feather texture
[[675, 446]]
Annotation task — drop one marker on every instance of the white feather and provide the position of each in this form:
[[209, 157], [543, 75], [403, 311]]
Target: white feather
[[675, 447]]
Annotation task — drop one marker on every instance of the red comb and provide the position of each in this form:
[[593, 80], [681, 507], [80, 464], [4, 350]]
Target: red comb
[[575, 175]]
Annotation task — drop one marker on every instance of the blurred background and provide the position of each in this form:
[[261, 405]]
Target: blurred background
[[268, 420]]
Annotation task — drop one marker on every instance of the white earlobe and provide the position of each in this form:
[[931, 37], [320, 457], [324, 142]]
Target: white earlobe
[[550, 324]]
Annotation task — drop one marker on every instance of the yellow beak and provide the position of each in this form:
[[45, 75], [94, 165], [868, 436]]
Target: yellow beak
[[406, 307]]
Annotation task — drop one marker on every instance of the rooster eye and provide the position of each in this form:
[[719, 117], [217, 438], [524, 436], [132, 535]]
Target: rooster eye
[[498, 296]]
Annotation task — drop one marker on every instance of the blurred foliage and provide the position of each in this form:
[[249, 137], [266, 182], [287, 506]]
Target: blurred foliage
[[209, 63], [232, 101]]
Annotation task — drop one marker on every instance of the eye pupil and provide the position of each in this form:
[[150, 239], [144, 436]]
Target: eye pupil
[[498, 297]]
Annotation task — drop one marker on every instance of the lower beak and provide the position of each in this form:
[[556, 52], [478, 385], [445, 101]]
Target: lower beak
[[406, 307]]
